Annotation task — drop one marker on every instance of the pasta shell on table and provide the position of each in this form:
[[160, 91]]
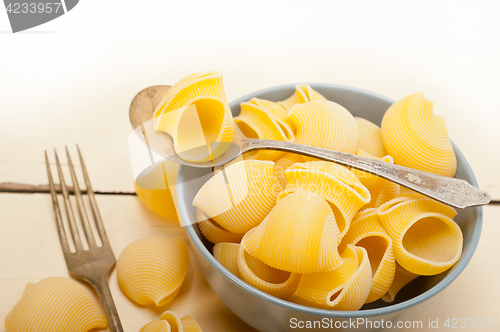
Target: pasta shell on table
[[272, 281], [227, 255], [55, 304], [381, 190], [425, 238], [336, 184], [241, 196], [339, 131], [213, 231], [299, 235], [417, 138], [344, 288], [401, 279], [367, 232], [282, 164], [151, 270], [195, 112], [370, 138], [170, 322]]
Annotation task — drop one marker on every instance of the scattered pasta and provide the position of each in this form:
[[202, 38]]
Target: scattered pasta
[[170, 322]]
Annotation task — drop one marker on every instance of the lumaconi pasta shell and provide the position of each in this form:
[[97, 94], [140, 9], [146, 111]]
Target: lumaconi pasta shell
[[195, 112], [303, 94], [170, 322], [227, 255], [281, 165], [278, 111], [401, 279], [55, 304], [213, 232], [381, 190], [425, 238], [339, 131], [417, 138], [370, 138], [367, 232], [268, 279], [241, 196], [299, 235], [151, 270], [335, 183], [344, 288]]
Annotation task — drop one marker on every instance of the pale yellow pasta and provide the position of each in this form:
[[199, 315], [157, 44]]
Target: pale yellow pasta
[[196, 114], [401, 279], [381, 190], [299, 235], [278, 111], [336, 184], [244, 200], [325, 124], [170, 322], [344, 288], [367, 232], [417, 138], [281, 165], [55, 304], [214, 232], [425, 238], [151, 270], [370, 138], [275, 282], [227, 255], [303, 94]]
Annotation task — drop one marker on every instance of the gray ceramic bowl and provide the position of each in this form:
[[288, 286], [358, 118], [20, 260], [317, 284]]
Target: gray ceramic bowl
[[267, 313]]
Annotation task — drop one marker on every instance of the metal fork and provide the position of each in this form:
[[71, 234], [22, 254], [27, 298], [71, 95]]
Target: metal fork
[[95, 264]]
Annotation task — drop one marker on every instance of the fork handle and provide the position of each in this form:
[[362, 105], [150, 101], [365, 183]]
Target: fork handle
[[102, 288], [455, 192]]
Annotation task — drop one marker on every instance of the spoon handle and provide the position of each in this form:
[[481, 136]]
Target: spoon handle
[[454, 192]]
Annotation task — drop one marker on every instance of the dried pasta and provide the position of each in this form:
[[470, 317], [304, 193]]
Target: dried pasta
[[151, 270], [170, 322], [401, 279], [417, 138], [303, 94], [244, 200], [281, 165], [425, 238], [344, 288], [370, 138], [227, 255], [55, 304], [195, 112], [299, 235], [214, 232]]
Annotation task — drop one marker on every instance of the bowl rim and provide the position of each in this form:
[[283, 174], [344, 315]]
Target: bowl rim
[[445, 282]]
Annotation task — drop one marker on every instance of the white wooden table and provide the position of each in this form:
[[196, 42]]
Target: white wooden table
[[75, 86]]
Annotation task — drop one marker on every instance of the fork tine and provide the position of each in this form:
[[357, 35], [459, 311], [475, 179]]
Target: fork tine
[[93, 203], [79, 202], [57, 211], [69, 209]]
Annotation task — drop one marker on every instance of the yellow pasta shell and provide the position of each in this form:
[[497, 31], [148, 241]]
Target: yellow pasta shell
[[278, 111], [303, 94], [417, 138], [401, 279], [151, 270], [241, 196], [367, 232], [339, 131], [370, 138], [214, 232], [227, 255], [55, 304], [344, 288], [266, 278], [425, 238], [299, 235], [170, 322], [282, 164], [335, 183], [195, 112]]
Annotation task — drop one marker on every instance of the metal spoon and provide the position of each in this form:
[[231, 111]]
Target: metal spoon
[[454, 192]]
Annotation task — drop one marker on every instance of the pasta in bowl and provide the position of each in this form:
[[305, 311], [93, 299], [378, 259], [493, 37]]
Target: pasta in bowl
[[278, 311]]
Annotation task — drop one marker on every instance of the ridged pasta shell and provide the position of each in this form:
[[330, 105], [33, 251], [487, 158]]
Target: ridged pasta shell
[[370, 138], [151, 270], [344, 288], [339, 131], [195, 112], [266, 278], [401, 279], [214, 232], [227, 255], [282, 164], [425, 238], [241, 196], [55, 304], [303, 94], [170, 322], [417, 138], [367, 232], [299, 235]]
